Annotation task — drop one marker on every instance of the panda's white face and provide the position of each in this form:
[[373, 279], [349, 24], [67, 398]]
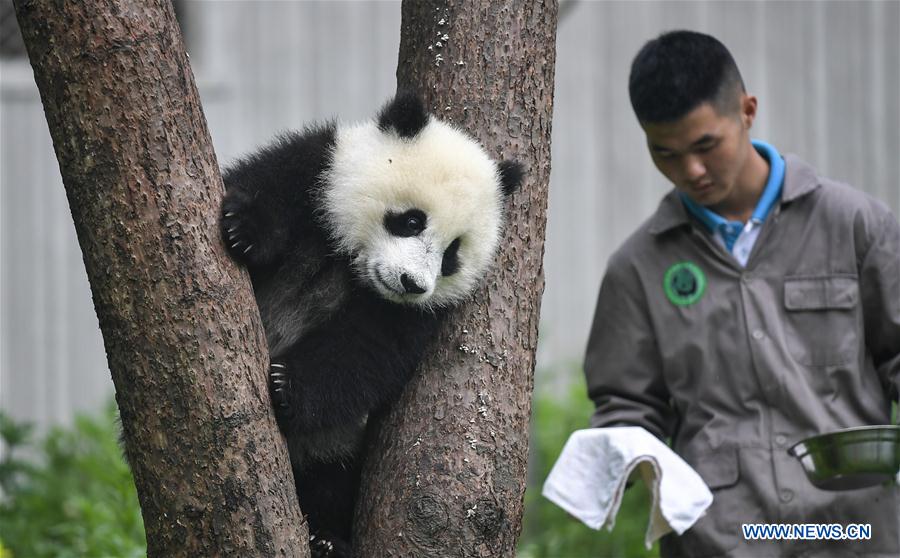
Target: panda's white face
[[420, 216], [404, 262]]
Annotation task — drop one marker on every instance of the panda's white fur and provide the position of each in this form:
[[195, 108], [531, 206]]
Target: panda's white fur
[[441, 171]]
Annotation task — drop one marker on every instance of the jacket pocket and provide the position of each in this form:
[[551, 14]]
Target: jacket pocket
[[719, 469], [820, 320], [735, 501]]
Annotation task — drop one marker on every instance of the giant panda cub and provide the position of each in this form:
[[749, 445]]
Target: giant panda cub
[[356, 238]]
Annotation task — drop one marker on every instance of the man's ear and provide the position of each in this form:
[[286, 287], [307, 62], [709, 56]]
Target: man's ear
[[511, 175], [748, 110], [405, 114]]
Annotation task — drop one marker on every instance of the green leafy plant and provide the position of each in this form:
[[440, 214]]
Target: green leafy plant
[[77, 499], [548, 531]]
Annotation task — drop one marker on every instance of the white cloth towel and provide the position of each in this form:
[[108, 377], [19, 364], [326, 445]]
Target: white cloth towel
[[589, 478]]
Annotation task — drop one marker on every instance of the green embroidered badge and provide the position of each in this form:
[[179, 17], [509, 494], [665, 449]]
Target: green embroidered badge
[[684, 284]]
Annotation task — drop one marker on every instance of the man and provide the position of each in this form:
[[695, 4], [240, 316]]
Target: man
[[758, 306]]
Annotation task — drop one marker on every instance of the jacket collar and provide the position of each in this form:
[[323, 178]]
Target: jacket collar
[[799, 180], [670, 214]]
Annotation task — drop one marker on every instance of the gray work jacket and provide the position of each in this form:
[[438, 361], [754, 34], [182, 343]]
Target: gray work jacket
[[736, 364]]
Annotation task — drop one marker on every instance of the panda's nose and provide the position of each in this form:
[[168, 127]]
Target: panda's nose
[[410, 285]]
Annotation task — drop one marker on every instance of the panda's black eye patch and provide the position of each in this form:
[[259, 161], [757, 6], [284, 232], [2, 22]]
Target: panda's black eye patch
[[408, 223], [450, 263]]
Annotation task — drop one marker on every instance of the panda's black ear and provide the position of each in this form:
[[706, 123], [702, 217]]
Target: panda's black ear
[[405, 114], [511, 175]]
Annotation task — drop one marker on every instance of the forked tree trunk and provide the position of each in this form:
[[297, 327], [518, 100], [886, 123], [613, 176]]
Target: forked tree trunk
[[445, 472], [183, 337]]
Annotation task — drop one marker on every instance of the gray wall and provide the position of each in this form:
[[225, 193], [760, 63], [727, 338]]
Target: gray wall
[[826, 75]]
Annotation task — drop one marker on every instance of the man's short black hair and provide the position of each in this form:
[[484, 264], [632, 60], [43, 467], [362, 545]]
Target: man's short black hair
[[680, 70]]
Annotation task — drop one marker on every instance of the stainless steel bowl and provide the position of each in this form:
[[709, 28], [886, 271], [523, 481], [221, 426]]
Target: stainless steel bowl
[[851, 458]]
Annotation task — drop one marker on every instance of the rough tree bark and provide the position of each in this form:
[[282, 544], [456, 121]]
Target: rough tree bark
[[183, 337], [445, 472]]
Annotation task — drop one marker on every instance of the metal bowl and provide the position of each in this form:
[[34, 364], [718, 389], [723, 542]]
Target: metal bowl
[[851, 458]]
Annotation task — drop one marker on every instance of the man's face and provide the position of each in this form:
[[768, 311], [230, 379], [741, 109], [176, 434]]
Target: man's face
[[703, 153]]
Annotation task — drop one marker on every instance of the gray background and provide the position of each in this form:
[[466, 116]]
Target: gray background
[[826, 75]]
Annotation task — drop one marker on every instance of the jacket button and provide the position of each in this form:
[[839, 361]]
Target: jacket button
[[786, 495], [780, 440], [758, 334]]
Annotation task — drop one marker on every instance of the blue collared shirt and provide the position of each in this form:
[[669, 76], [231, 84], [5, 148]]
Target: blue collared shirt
[[738, 238]]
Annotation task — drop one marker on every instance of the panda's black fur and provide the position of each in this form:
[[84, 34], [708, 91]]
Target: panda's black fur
[[344, 339]]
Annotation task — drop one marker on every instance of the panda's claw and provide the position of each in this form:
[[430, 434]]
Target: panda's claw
[[279, 384], [248, 248], [279, 379]]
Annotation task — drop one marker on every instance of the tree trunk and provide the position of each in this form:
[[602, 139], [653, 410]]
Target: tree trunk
[[182, 333], [445, 472]]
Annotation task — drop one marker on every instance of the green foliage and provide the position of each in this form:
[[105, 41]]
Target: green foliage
[[548, 531], [77, 500]]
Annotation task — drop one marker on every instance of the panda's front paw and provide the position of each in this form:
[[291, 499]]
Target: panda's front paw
[[320, 547], [249, 235], [279, 386], [234, 239]]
